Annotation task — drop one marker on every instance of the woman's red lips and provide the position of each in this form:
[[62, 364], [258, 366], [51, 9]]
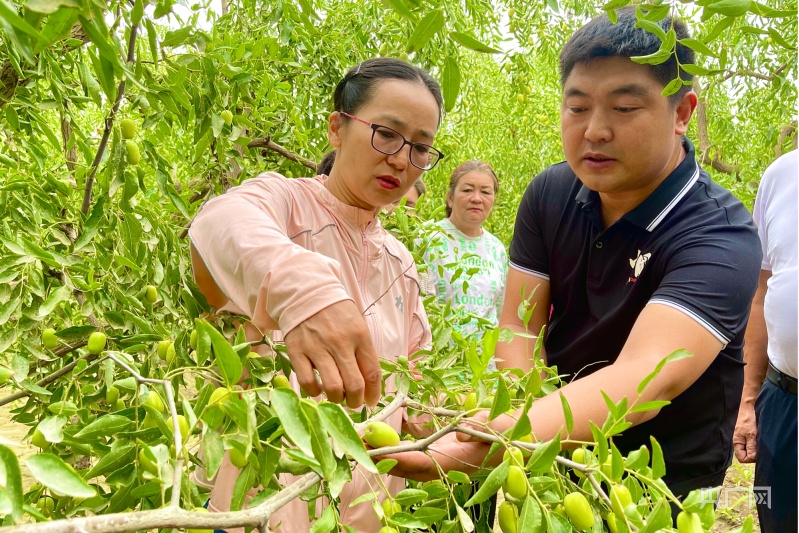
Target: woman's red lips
[[388, 182]]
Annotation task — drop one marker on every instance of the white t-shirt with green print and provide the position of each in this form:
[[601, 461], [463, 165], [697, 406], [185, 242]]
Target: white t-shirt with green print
[[469, 272]]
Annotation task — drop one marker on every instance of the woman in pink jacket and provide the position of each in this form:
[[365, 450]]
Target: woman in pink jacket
[[308, 259]]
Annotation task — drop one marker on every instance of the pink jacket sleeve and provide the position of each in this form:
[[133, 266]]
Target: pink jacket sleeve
[[242, 239]]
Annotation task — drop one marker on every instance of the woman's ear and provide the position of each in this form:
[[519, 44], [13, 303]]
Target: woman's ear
[[334, 129]]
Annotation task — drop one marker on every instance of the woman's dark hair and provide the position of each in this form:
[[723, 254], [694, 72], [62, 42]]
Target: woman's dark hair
[[465, 168], [326, 163], [360, 82], [602, 38]]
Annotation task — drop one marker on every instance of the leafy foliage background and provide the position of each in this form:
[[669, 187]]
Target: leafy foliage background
[[76, 261]]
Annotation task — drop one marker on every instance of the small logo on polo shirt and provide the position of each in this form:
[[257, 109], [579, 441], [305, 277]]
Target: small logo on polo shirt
[[637, 265]]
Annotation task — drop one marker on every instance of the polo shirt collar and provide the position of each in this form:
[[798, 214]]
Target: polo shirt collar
[[651, 212]]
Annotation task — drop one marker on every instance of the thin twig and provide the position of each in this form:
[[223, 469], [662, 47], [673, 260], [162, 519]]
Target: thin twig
[[266, 142], [49, 379], [109, 124]]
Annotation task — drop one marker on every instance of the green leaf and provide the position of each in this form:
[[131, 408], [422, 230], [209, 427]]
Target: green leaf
[[322, 451], [652, 27], [241, 487], [765, 11], [401, 9], [8, 13], [430, 515], [137, 12], [697, 46], [658, 463], [470, 42], [226, 357], [409, 497], [720, 26], [177, 37], [52, 428], [425, 29], [75, 333], [531, 518], [34, 388], [52, 472], [50, 6], [62, 408], [288, 410], [696, 70], [637, 459], [779, 39], [13, 481], [451, 84], [269, 464], [544, 455], [659, 518], [730, 8], [465, 519], [59, 295], [91, 226], [501, 399], [674, 356], [617, 462], [601, 443], [326, 522], [385, 466], [406, 521], [58, 27], [121, 454], [339, 426], [103, 427], [99, 35], [490, 486], [672, 87], [649, 406], [653, 59], [456, 476], [567, 413], [8, 308]]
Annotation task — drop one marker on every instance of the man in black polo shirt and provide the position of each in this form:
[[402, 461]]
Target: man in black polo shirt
[[639, 254]]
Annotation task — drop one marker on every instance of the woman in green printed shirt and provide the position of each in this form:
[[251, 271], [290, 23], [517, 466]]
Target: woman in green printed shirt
[[468, 264]]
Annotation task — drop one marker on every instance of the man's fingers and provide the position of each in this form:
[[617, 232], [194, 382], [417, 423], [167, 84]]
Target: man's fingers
[[369, 367], [305, 375], [745, 448], [740, 452], [352, 381], [751, 450], [332, 382]]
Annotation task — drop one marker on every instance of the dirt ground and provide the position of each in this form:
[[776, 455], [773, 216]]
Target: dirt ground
[[734, 506], [735, 502]]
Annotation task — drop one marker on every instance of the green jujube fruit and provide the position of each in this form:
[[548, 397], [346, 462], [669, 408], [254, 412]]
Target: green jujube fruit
[[380, 435]]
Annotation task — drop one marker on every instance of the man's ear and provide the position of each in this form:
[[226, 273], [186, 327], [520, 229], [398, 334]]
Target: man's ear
[[683, 112], [334, 129]]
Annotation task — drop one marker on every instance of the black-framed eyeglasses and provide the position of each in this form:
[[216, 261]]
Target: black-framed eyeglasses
[[389, 142]]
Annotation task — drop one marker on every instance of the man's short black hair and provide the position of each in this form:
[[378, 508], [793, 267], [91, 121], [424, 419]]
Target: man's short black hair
[[602, 38]]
